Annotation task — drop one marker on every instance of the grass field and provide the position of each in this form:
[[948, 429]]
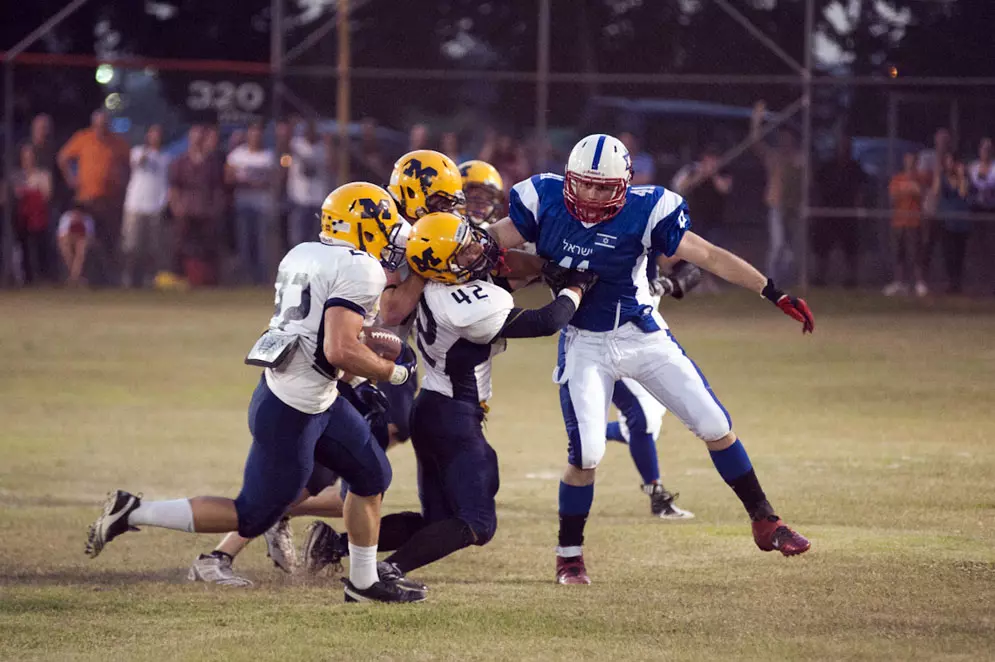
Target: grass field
[[875, 437]]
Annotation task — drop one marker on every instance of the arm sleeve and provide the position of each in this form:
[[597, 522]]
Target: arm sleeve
[[538, 322], [523, 208], [667, 223]]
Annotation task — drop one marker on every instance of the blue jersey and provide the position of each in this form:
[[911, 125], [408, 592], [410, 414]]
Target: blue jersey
[[652, 221]]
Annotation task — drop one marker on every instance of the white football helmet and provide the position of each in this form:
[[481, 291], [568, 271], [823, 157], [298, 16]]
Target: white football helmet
[[601, 160]]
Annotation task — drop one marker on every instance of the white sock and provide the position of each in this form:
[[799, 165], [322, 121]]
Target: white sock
[[173, 514], [568, 552], [363, 566]]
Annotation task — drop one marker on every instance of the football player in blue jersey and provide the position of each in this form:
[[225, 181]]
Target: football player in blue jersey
[[592, 219], [640, 414]]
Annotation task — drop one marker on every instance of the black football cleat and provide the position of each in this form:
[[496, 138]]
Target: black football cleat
[[322, 547], [389, 572], [382, 591], [113, 521]]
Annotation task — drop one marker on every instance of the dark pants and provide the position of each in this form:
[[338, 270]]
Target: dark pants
[[828, 233], [286, 443], [35, 254], [401, 399], [457, 468], [954, 250], [102, 261]]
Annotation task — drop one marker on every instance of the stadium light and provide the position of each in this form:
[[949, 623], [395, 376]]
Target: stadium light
[[105, 74]]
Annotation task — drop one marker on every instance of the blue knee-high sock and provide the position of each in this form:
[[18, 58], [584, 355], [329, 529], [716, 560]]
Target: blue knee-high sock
[[575, 504], [613, 432], [642, 448], [737, 471]]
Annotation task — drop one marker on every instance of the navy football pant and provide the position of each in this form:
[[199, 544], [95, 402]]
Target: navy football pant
[[457, 468], [285, 445]]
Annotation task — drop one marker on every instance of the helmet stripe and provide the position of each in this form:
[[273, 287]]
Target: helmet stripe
[[597, 152]]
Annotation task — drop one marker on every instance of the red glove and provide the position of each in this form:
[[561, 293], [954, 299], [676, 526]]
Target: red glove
[[793, 307]]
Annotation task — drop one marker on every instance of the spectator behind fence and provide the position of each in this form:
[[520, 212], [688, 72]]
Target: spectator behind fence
[[74, 236], [706, 188], [368, 163], [197, 202], [29, 188], [952, 190], [643, 167], [929, 166], [449, 144], [982, 177], [906, 192], [98, 180], [308, 183], [783, 195], [250, 169], [418, 137], [508, 156], [144, 206], [838, 183]]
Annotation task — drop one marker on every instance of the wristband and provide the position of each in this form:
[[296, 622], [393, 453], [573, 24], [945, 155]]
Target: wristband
[[771, 293], [398, 375], [570, 294]]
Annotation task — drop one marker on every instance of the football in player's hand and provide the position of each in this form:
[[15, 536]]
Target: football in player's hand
[[386, 344]]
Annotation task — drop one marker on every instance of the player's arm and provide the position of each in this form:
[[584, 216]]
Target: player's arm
[[545, 321], [734, 269], [400, 297], [344, 350], [505, 233]]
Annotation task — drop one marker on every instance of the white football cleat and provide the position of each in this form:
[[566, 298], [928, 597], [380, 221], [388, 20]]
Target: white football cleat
[[280, 545], [662, 503], [215, 568]]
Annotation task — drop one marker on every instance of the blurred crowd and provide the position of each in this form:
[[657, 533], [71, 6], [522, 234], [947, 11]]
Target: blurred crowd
[[99, 211]]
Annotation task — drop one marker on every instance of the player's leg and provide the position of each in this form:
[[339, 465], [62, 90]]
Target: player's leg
[[584, 400], [641, 417], [450, 445], [662, 366], [351, 450]]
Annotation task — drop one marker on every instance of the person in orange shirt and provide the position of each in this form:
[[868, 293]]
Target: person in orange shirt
[[906, 192], [98, 180]]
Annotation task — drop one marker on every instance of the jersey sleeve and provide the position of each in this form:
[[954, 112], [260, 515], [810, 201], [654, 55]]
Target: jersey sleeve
[[668, 221], [357, 286], [476, 310], [523, 208]]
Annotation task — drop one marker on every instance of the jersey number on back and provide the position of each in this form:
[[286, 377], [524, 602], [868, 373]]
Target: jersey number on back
[[285, 282], [462, 296]]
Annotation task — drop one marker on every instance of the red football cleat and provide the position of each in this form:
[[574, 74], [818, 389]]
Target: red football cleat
[[571, 570], [771, 533]]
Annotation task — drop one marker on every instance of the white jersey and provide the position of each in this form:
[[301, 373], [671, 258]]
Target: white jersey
[[457, 329], [313, 277]]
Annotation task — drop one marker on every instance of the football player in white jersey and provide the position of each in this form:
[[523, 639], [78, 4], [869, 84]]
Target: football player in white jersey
[[463, 321], [592, 219], [325, 291]]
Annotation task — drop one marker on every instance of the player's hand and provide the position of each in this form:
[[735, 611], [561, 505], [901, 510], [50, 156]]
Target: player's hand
[[582, 280], [682, 279], [405, 366], [374, 399], [793, 307], [554, 275]]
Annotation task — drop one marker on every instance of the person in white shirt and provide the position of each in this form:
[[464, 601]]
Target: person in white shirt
[[250, 169], [144, 204], [308, 181]]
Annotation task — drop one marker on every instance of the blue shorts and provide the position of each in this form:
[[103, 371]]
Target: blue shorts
[[285, 445], [457, 468]]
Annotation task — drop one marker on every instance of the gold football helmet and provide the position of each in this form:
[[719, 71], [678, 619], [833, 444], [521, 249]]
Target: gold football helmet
[[425, 181], [484, 191], [446, 248], [364, 216]]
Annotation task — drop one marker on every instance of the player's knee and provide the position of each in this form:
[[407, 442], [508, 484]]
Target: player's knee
[[375, 474], [714, 427], [255, 519], [482, 530]]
